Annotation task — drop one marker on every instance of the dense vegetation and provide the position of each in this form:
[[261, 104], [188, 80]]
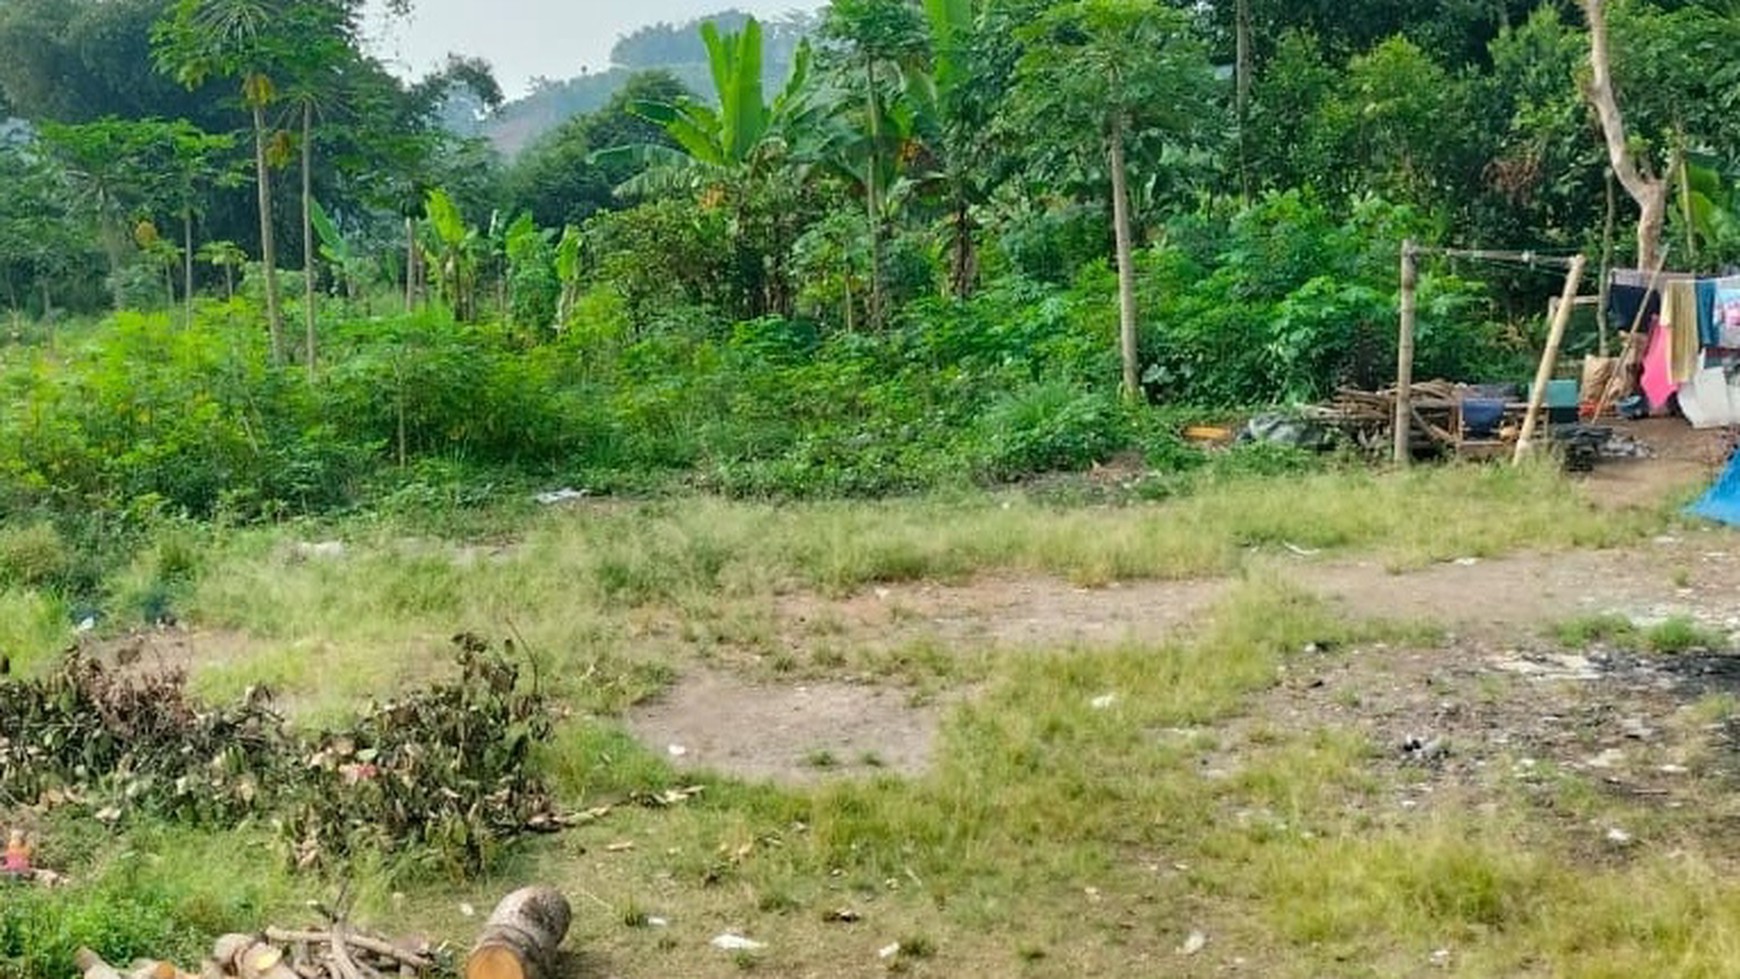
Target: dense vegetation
[[918, 260]]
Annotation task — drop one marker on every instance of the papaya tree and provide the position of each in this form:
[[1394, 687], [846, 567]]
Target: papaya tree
[[200, 39], [1098, 76]]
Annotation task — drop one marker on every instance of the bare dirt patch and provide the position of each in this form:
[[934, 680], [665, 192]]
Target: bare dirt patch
[[1001, 612], [786, 732]]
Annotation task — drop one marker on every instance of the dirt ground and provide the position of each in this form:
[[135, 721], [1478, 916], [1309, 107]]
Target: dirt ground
[[1497, 615]]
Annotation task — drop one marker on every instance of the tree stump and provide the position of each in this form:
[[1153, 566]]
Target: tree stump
[[520, 938]]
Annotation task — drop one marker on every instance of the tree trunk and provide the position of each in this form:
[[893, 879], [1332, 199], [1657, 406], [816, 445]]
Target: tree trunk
[[1649, 191], [187, 261], [872, 204], [229, 283], [965, 267], [1243, 68], [308, 234], [268, 248], [520, 939], [1126, 262], [410, 263]]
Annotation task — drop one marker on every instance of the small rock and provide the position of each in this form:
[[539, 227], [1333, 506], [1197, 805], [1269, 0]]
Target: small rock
[[1193, 944], [736, 943]]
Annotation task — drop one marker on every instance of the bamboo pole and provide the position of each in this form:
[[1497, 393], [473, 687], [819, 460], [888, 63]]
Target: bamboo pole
[[1404, 423], [1550, 356]]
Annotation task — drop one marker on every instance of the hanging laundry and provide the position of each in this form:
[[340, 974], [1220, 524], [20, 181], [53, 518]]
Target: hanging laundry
[[1709, 320], [1657, 385], [1679, 313], [1726, 313]]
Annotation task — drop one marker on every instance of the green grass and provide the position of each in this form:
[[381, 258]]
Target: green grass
[[1676, 634], [1050, 836]]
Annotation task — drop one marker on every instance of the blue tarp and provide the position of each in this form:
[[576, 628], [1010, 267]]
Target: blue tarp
[[1722, 502]]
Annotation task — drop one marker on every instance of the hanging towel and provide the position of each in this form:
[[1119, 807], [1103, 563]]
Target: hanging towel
[[1679, 313], [1658, 387], [1709, 321], [1727, 313]]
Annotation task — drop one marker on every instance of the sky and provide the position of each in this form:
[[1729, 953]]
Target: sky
[[525, 38]]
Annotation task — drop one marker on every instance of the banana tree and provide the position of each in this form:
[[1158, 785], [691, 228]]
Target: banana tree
[[742, 153], [568, 270], [451, 251], [351, 264]]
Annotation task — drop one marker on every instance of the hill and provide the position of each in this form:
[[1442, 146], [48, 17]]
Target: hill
[[675, 48]]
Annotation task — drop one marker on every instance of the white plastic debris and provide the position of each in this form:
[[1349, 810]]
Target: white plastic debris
[[1104, 700], [1193, 944], [1441, 958], [657, 922], [467, 910], [677, 750], [1619, 837], [888, 951], [736, 943], [566, 494]]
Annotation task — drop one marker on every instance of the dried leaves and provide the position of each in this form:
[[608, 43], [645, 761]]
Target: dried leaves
[[441, 773]]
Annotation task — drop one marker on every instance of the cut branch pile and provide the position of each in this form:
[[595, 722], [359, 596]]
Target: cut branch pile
[[1367, 418], [520, 941], [441, 774], [335, 952]]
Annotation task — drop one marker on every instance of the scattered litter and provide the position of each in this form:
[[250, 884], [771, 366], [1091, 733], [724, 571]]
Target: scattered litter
[[882, 594], [1195, 943], [1466, 562], [1093, 894], [1440, 959], [654, 921], [1104, 700], [467, 911], [736, 943], [620, 846], [1673, 769], [1301, 551], [677, 751], [1424, 749], [1619, 837], [1611, 758], [1635, 728], [324, 549], [842, 916], [888, 951], [566, 494]]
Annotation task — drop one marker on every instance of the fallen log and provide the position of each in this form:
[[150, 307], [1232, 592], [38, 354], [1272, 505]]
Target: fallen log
[[520, 938]]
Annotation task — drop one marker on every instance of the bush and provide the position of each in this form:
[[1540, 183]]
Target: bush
[[1051, 426]]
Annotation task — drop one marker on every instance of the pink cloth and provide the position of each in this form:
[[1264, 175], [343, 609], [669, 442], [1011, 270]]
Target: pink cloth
[[1658, 385]]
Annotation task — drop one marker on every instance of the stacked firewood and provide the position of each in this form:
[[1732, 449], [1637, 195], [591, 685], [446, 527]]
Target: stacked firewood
[[336, 952], [1368, 417], [519, 941]]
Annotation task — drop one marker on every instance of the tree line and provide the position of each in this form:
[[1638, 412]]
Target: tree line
[[915, 149]]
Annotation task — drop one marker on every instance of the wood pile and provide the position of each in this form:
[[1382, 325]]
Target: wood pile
[[519, 941], [1368, 417]]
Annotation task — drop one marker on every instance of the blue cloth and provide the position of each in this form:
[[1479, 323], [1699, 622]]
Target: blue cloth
[[1709, 324], [1722, 502]]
